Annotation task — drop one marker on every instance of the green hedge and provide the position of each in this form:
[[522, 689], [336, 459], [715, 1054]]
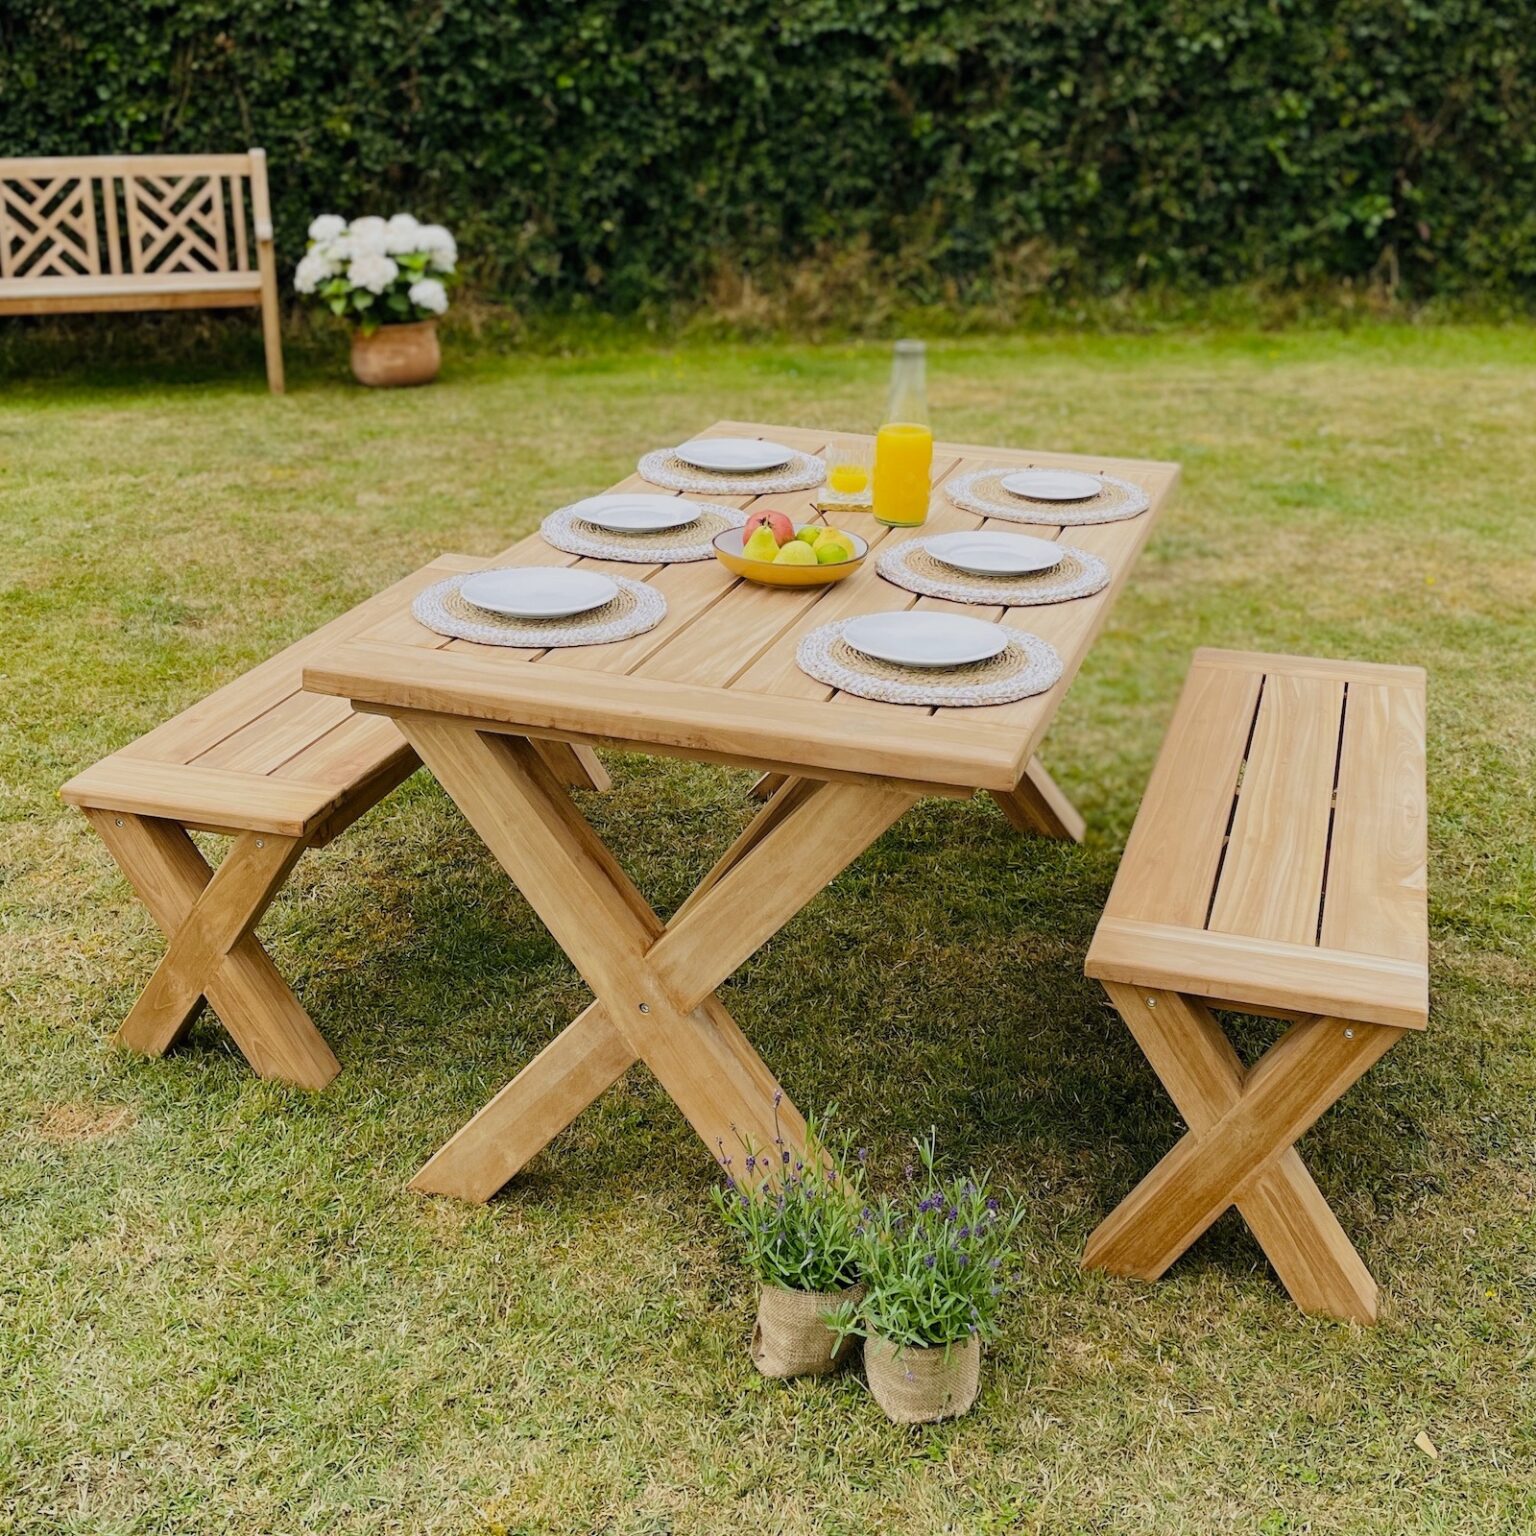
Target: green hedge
[[594, 151]]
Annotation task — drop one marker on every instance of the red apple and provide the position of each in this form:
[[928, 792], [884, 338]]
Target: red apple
[[778, 525]]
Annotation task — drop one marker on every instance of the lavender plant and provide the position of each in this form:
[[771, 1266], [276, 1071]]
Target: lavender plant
[[934, 1259], [795, 1218]]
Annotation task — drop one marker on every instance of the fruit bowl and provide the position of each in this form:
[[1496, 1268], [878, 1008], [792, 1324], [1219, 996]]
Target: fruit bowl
[[772, 574]]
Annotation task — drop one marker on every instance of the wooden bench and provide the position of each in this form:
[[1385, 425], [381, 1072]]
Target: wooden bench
[[1277, 867], [278, 770], [177, 237]]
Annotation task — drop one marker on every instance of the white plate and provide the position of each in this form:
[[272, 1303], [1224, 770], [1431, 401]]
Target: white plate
[[1052, 484], [734, 455], [925, 639], [995, 554], [538, 592], [633, 512]]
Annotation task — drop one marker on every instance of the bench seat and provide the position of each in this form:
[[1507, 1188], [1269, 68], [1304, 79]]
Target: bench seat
[[279, 770], [1276, 866]]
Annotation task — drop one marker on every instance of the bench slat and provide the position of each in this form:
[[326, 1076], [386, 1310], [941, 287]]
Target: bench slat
[[1271, 882], [1376, 896]]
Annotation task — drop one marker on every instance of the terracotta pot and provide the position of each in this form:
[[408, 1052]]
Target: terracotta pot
[[397, 355], [791, 1338], [917, 1386]]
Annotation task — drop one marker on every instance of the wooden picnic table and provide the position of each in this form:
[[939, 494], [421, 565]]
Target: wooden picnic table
[[716, 682]]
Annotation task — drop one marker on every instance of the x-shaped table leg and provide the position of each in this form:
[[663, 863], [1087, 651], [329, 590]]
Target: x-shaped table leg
[[654, 983], [1239, 1149], [209, 917]]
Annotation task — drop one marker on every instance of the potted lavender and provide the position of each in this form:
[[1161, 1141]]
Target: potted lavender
[[933, 1260], [796, 1219]]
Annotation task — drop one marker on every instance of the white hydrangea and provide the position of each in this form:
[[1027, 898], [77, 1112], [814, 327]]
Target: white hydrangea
[[369, 236], [430, 295], [439, 245], [372, 270], [327, 226], [402, 235], [312, 270]]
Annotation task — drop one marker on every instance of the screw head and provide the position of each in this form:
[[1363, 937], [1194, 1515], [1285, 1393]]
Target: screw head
[[117, 821], [1151, 1002], [260, 843], [1349, 1034], [645, 1007]]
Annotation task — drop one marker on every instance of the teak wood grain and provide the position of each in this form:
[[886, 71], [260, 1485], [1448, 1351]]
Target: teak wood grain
[[1277, 866], [716, 681]]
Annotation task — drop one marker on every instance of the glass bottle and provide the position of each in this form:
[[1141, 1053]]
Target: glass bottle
[[904, 444]]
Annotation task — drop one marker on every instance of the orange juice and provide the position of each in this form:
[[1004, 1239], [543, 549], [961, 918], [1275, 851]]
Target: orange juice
[[903, 473], [846, 479]]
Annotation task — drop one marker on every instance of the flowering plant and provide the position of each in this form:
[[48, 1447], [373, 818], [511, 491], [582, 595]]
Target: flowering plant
[[377, 271], [796, 1218], [933, 1260]]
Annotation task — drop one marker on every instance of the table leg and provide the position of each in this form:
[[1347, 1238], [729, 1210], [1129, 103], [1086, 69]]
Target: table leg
[[1038, 806], [654, 983]]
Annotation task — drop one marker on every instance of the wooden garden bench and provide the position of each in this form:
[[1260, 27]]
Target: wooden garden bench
[[1277, 867], [178, 237], [278, 770]]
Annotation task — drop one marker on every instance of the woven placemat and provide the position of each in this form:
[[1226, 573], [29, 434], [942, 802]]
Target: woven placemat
[[804, 472], [569, 531], [1028, 666], [982, 491], [912, 565], [443, 610]]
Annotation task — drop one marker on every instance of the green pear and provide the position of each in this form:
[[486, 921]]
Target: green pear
[[762, 545]]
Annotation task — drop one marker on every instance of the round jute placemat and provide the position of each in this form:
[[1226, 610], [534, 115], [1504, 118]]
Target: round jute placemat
[[636, 609], [1028, 665], [567, 530], [982, 491], [803, 472], [912, 565]]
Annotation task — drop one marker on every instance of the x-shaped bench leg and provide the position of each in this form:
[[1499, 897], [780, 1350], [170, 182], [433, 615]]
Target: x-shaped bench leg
[[1239, 1149], [209, 917], [654, 983]]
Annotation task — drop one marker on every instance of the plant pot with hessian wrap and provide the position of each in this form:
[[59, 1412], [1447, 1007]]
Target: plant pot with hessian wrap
[[934, 1260], [388, 278], [796, 1220]]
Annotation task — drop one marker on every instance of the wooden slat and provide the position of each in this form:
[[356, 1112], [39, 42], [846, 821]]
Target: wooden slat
[[122, 165], [215, 797], [1258, 974], [348, 753], [1271, 882], [278, 734], [237, 216], [131, 285], [1169, 869], [1375, 900], [1311, 666]]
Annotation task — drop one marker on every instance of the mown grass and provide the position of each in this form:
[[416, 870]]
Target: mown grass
[[222, 1312]]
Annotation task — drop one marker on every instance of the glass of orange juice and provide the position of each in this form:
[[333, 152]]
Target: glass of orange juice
[[850, 468], [904, 445]]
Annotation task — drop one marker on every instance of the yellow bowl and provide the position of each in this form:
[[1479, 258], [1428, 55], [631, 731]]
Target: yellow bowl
[[771, 574]]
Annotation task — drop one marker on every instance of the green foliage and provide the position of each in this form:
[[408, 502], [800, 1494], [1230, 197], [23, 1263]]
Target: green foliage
[[619, 155], [796, 1221], [934, 1260]]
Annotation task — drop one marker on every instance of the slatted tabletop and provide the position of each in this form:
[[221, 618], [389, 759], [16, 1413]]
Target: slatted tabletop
[[717, 679]]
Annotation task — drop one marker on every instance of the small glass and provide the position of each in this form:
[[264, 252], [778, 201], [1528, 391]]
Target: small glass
[[850, 472]]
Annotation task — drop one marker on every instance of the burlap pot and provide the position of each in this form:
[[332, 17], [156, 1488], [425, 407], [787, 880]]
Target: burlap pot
[[791, 1337], [917, 1386]]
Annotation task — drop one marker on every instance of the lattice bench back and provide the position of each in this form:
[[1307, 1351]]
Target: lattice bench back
[[114, 232]]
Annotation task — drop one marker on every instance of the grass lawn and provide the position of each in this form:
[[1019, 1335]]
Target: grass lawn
[[219, 1309]]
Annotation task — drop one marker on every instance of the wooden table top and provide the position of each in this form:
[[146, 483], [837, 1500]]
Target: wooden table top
[[717, 679]]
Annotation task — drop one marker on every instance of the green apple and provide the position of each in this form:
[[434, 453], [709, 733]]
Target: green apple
[[810, 533]]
